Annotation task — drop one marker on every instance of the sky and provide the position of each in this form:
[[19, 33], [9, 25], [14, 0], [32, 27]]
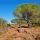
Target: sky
[[7, 7]]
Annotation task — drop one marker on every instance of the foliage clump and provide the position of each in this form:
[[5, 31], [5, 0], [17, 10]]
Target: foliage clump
[[29, 13], [3, 23]]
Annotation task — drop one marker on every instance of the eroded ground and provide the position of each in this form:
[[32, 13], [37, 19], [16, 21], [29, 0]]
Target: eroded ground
[[15, 34]]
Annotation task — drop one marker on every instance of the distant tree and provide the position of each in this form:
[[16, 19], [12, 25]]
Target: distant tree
[[3, 23]]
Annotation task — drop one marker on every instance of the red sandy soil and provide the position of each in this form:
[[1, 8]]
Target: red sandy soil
[[14, 34]]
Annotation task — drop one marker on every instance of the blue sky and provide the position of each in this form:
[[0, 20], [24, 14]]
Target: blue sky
[[8, 6]]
